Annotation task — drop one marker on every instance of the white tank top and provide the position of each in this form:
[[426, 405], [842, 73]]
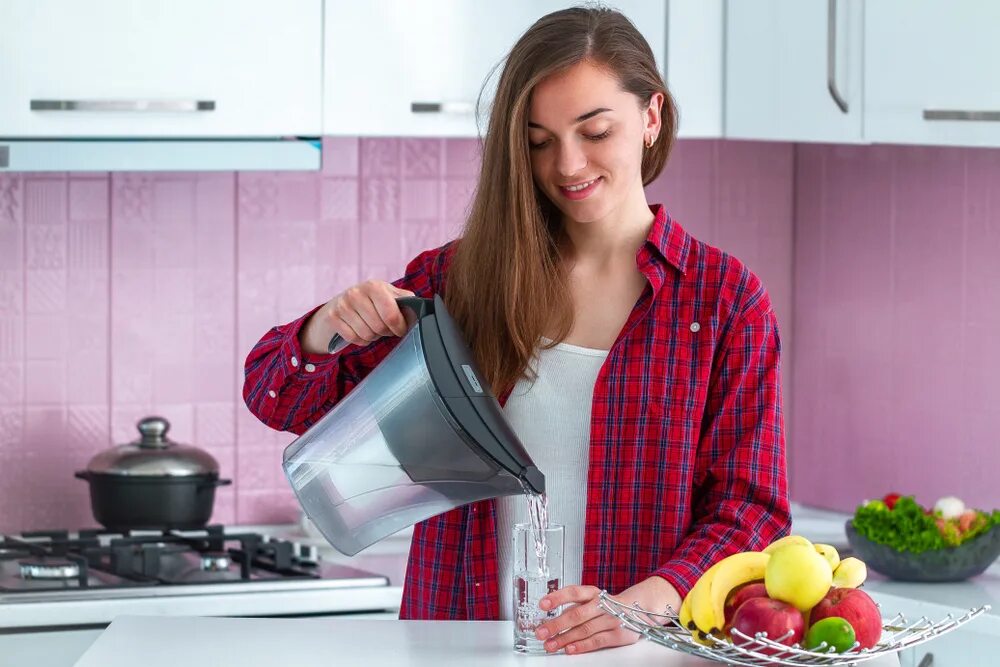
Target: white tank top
[[551, 416]]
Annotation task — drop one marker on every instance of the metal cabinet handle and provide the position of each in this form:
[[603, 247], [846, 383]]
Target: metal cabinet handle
[[958, 114], [927, 661], [831, 55], [124, 105], [460, 108]]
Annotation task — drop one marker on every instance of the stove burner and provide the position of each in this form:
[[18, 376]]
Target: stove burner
[[49, 568], [214, 562]]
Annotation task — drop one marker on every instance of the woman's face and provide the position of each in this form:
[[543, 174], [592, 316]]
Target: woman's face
[[585, 141]]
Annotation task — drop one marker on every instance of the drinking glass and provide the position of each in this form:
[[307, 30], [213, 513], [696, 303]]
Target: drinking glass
[[534, 579]]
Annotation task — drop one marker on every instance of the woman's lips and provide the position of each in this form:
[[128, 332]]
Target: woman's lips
[[582, 193]]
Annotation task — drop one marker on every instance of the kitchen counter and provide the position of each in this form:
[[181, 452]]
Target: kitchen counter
[[237, 642]]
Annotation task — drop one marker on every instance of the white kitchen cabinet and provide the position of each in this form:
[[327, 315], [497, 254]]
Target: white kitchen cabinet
[[931, 72], [405, 68], [160, 68], [794, 70]]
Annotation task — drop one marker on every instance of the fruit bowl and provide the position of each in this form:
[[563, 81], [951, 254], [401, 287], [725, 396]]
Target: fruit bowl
[[950, 564], [898, 633]]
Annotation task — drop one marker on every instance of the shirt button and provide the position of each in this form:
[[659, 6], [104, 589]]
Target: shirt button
[[309, 368], [695, 327], [272, 394], [295, 362]]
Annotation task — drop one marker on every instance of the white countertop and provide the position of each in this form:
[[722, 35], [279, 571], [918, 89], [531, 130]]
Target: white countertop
[[238, 642]]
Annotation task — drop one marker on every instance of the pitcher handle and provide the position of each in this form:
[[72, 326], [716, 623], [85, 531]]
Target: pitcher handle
[[419, 305]]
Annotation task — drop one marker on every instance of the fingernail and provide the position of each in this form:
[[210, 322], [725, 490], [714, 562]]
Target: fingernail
[[571, 648], [542, 633], [551, 645], [544, 604]]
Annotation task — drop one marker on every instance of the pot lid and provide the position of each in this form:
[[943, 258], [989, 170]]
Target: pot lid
[[153, 454]]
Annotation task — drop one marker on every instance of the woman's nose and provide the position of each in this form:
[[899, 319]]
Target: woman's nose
[[571, 159]]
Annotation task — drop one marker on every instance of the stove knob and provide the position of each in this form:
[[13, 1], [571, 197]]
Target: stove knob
[[307, 553]]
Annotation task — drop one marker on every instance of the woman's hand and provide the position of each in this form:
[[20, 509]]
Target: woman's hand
[[360, 314], [586, 627]]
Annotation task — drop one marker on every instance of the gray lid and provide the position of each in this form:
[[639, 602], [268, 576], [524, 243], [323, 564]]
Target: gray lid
[[154, 455]]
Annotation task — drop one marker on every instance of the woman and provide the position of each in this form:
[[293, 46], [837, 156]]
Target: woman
[[638, 365]]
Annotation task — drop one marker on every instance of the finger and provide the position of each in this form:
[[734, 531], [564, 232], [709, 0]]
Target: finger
[[593, 626], [352, 329], [601, 640], [568, 594], [389, 312], [577, 614]]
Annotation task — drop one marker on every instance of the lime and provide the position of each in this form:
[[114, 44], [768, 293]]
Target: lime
[[833, 630]]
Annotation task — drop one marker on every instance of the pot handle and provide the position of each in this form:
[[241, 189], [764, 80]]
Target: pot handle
[[82, 474], [219, 482]]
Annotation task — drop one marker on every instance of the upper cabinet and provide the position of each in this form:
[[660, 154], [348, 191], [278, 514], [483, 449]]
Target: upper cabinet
[[404, 68], [161, 68], [794, 70], [931, 72]]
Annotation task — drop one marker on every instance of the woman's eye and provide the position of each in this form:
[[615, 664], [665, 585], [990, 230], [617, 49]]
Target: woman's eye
[[598, 137], [538, 145]]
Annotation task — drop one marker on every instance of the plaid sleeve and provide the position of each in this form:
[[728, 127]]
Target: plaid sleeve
[[289, 390], [741, 502]]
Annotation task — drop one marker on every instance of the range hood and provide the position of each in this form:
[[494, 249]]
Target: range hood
[[161, 154]]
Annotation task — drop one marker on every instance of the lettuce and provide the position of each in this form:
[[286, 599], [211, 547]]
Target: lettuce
[[907, 528]]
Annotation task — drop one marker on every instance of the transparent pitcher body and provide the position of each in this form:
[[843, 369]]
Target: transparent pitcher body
[[389, 455]]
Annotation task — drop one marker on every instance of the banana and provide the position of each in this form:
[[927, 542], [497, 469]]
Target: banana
[[830, 554], [788, 539], [684, 615], [851, 573], [702, 614], [733, 571]]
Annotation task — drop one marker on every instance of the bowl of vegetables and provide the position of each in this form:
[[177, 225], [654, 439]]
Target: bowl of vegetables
[[903, 540]]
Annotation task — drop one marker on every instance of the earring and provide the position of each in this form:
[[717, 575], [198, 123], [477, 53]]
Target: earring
[[650, 141]]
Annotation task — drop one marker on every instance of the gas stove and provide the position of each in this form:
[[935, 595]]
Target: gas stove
[[60, 578]]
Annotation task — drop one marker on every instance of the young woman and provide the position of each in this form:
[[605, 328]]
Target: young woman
[[638, 365]]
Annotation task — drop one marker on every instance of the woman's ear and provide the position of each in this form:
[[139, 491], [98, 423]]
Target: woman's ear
[[651, 117]]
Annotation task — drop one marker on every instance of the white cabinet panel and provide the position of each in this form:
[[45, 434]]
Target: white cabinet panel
[[932, 74], [385, 56], [694, 64], [255, 66], [794, 70]]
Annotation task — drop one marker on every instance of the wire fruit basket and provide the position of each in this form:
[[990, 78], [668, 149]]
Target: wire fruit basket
[[898, 633]]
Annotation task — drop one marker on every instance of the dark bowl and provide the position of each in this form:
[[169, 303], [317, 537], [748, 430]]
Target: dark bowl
[[952, 564]]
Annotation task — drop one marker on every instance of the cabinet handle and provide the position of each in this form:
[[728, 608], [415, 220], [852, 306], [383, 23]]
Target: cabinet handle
[[460, 108], [831, 55], [927, 661], [123, 105], [958, 114]]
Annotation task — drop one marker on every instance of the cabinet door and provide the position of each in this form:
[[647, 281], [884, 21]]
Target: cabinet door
[[160, 68], [793, 70], [931, 72], [694, 55], [406, 68]]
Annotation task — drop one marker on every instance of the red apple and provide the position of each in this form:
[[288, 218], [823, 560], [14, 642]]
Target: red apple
[[739, 595], [857, 608], [774, 617]]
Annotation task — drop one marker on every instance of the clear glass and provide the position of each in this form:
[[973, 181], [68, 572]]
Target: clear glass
[[532, 580]]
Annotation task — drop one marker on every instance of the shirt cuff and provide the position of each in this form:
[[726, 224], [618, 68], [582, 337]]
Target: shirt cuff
[[681, 575], [297, 363]]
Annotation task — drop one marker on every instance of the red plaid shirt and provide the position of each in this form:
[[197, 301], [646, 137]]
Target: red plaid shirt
[[687, 449]]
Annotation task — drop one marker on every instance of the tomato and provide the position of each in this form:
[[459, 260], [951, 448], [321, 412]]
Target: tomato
[[890, 500]]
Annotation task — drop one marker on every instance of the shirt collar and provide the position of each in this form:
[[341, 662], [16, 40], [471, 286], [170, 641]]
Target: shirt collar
[[666, 242]]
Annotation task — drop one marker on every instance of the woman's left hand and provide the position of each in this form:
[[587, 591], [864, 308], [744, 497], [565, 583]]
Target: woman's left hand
[[586, 627]]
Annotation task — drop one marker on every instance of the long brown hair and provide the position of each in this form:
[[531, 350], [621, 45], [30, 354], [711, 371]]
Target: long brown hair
[[506, 284]]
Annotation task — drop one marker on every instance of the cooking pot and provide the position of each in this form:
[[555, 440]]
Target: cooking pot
[[152, 483]]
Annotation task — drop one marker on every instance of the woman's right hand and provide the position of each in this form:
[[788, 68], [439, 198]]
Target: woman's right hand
[[360, 314]]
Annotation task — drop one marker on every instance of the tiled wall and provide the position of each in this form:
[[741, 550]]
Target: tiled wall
[[124, 295], [896, 320]]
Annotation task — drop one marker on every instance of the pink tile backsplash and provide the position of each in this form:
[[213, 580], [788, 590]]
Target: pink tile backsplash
[[123, 295], [896, 315]]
